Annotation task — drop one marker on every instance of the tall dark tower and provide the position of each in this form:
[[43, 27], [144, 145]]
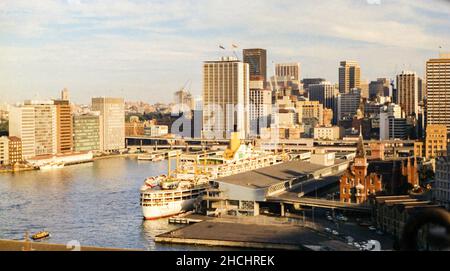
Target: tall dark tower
[[257, 61]]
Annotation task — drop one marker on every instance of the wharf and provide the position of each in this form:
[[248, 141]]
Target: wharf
[[17, 245], [248, 234]]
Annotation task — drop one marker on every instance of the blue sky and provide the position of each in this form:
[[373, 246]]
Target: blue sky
[[146, 50]]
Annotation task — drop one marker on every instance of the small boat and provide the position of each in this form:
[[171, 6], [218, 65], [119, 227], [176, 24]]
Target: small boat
[[40, 235]]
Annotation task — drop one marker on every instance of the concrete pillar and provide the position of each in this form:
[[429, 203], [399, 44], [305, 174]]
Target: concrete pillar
[[255, 208]]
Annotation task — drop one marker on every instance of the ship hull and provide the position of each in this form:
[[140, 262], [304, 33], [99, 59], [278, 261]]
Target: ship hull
[[169, 209]]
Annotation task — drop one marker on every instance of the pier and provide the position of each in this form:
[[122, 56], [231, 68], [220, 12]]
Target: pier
[[268, 233]]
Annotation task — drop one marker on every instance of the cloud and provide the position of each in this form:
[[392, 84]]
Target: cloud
[[135, 47]]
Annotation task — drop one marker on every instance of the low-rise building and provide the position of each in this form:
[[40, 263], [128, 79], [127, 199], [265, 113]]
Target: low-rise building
[[391, 213], [441, 188], [328, 133], [156, 130], [15, 150]]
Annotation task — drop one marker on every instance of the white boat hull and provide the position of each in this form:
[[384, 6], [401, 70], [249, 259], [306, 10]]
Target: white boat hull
[[169, 209]]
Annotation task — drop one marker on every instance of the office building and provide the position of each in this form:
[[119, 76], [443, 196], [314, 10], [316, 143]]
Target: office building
[[379, 88], [307, 110], [257, 62], [441, 188], [87, 132], [348, 104], [64, 124], [408, 92], [438, 91], [435, 141], [291, 71], [225, 98], [328, 133], [324, 92], [393, 124], [349, 76], [112, 112], [260, 107], [22, 125]]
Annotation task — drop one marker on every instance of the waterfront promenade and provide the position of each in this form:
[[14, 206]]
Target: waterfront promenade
[[16, 245]]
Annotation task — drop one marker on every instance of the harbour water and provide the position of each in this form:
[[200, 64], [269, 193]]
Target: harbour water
[[95, 204]]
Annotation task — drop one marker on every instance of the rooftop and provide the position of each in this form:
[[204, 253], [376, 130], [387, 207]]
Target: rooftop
[[267, 176]]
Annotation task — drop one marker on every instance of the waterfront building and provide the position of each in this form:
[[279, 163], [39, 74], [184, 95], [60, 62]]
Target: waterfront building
[[438, 91], [4, 150], [257, 61], [356, 184], [441, 188], [328, 133], [349, 76], [64, 124], [35, 123], [22, 125], [379, 88], [408, 92], [112, 112], [87, 132], [348, 104], [260, 107], [324, 92], [290, 71], [225, 98], [15, 150]]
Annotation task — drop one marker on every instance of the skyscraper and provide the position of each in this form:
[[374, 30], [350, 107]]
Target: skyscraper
[[112, 112], [87, 132], [408, 92], [225, 98], [35, 123], [257, 61], [324, 92], [379, 88], [438, 90], [347, 104], [290, 71], [64, 123], [260, 107], [349, 76]]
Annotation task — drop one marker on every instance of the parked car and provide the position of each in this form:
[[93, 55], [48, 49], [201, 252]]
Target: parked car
[[335, 232], [372, 228]]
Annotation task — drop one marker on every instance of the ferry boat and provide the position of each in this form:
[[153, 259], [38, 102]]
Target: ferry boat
[[171, 194], [40, 235], [50, 166]]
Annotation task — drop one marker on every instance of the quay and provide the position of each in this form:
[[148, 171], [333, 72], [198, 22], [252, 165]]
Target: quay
[[271, 234], [22, 245]]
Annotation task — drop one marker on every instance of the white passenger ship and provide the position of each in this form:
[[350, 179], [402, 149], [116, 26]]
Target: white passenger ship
[[164, 196]]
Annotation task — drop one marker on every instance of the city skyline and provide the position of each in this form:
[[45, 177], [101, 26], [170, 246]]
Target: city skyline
[[134, 49]]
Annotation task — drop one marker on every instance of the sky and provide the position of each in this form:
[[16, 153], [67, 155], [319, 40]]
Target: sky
[[147, 50]]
